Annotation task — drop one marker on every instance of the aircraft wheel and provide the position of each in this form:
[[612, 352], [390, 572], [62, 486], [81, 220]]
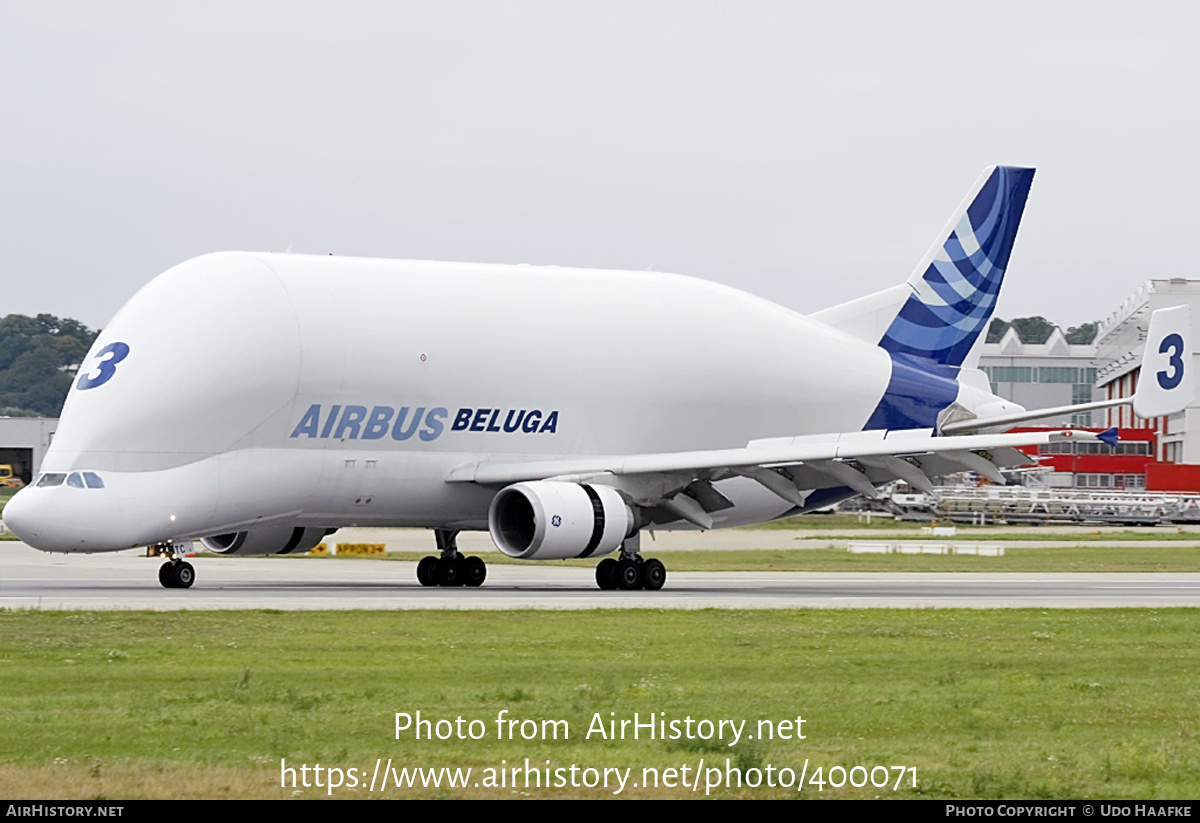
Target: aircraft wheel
[[629, 575], [448, 572], [183, 574], [166, 576], [654, 574], [425, 570], [474, 571], [606, 574]]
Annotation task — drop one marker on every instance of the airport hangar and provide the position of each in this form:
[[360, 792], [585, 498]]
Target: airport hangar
[[23, 443]]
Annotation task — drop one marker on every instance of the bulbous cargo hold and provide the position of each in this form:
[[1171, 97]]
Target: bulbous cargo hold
[[233, 351], [191, 367], [553, 520]]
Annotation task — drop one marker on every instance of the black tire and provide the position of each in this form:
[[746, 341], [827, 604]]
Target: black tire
[[425, 570], [474, 572], [184, 575], [448, 572], [629, 575], [166, 576], [654, 574], [606, 574]]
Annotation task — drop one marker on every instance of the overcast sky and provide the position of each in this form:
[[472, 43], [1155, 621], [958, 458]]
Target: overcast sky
[[805, 152]]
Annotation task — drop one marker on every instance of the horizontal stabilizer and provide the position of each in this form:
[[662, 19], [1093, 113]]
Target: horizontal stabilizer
[[1000, 422], [1164, 387]]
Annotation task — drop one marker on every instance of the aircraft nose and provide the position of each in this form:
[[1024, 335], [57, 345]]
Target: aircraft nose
[[19, 517], [74, 516], [44, 520]]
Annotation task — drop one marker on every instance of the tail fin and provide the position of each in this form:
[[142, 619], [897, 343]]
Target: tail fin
[[956, 286], [939, 314]]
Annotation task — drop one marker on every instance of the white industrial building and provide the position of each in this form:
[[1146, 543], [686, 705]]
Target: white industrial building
[[1042, 375], [1119, 345], [1057, 373]]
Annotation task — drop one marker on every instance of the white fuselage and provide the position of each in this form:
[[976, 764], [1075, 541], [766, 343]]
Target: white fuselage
[[264, 389]]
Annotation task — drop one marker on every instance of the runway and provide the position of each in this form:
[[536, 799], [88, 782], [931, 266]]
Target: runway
[[129, 581]]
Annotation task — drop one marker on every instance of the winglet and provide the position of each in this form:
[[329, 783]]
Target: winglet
[[1108, 436], [1165, 384]]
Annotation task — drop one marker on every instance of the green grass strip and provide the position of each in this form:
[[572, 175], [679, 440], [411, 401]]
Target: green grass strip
[[1005, 703]]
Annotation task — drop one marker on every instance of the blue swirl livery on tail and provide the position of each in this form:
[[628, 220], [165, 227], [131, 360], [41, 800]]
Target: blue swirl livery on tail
[[941, 312], [955, 290]]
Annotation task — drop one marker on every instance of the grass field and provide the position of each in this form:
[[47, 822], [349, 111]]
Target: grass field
[[1011, 704]]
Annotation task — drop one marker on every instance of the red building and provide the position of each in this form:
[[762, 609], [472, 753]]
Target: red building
[[1129, 466]]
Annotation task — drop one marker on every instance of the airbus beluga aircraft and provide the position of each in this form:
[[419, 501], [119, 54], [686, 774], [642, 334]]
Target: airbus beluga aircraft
[[258, 402]]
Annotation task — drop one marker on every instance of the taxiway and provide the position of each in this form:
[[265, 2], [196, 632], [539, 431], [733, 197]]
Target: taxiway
[[128, 580]]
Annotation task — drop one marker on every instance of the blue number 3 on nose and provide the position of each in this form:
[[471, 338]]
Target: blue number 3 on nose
[[109, 356]]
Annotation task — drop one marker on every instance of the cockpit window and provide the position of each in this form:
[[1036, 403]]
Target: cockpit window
[[74, 480]]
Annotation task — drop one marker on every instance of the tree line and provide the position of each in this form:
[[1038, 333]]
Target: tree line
[[1037, 330], [39, 357]]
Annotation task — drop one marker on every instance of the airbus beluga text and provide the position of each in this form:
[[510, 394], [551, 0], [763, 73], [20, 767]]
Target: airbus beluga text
[[258, 402]]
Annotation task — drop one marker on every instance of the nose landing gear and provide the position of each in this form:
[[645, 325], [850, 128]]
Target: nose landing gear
[[176, 573]]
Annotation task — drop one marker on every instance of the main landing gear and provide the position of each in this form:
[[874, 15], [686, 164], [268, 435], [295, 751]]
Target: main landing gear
[[452, 568], [631, 571], [176, 573]]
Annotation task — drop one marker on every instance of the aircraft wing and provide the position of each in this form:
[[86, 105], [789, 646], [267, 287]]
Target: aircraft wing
[[681, 482]]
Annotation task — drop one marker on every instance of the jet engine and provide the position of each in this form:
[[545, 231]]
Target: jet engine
[[551, 520], [271, 540]]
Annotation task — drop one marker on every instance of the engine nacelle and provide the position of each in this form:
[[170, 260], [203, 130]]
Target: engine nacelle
[[271, 540], [551, 520]]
